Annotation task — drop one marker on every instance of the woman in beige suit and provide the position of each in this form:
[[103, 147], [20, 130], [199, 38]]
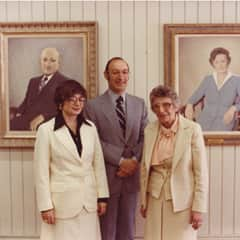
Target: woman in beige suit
[[70, 174], [174, 179]]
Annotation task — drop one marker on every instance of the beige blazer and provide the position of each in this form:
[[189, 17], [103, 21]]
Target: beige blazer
[[189, 173], [64, 180]]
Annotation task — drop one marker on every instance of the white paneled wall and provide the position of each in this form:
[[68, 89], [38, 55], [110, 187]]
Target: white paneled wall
[[134, 30]]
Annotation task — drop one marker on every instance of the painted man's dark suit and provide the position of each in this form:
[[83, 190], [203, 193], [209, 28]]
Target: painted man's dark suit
[[36, 103], [118, 222]]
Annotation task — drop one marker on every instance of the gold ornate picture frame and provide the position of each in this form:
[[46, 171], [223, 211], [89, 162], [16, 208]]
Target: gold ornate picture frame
[[186, 61], [20, 50]]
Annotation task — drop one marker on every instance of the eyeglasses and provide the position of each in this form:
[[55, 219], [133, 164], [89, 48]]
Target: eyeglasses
[[164, 105], [76, 99]]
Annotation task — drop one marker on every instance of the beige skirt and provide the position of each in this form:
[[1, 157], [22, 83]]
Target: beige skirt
[[84, 226], [163, 224]]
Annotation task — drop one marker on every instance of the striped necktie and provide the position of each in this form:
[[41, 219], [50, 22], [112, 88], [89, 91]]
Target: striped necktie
[[121, 114], [42, 84]]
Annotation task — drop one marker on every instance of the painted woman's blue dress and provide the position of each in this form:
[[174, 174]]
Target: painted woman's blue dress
[[216, 102]]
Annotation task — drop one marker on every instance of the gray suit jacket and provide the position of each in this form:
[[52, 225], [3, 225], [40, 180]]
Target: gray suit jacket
[[102, 112]]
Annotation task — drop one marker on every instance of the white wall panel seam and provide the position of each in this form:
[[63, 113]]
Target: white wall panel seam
[[147, 52], [134, 50], [108, 29], [10, 191], [23, 189], [209, 184], [221, 179], [234, 190], [57, 11], [121, 31]]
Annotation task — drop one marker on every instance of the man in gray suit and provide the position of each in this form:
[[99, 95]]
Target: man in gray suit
[[120, 119]]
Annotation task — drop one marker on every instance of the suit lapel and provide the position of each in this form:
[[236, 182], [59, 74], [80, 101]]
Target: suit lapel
[[63, 136], [130, 106], [182, 137], [109, 111]]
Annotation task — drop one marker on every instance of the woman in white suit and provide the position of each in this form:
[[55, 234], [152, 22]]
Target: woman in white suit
[[174, 179], [70, 176]]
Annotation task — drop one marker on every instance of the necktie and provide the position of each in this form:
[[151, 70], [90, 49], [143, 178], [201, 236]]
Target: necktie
[[42, 84], [121, 114]]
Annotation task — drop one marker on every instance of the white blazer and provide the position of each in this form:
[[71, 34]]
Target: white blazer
[[189, 173], [64, 180]]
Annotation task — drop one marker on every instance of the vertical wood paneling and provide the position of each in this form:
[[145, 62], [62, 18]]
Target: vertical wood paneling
[[115, 47], [165, 16], [217, 12], [215, 206], [16, 174], [237, 192], [230, 11], [63, 10], [5, 195], [89, 10], [204, 230], [178, 12], [153, 32], [204, 8], [51, 10], [29, 206], [38, 11], [25, 11], [3, 13], [191, 11], [103, 42], [140, 50], [228, 189], [76, 10], [12, 11], [127, 38], [237, 11]]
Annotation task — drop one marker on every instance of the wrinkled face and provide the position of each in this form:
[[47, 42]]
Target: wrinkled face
[[220, 63], [165, 110], [49, 61], [73, 106], [117, 76]]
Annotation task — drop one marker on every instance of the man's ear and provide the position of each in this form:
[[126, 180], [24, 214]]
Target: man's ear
[[106, 75]]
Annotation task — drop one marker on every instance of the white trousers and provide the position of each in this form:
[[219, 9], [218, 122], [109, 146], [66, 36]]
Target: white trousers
[[84, 226], [163, 224]]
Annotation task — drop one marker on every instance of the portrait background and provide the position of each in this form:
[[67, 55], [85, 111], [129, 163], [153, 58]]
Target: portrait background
[[24, 61], [193, 59]]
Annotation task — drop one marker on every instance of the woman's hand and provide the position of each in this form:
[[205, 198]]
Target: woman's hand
[[196, 220], [48, 216], [229, 115], [189, 111], [102, 208], [143, 212]]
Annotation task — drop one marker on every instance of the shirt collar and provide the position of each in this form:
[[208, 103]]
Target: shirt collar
[[59, 121], [229, 75], [173, 128], [115, 96]]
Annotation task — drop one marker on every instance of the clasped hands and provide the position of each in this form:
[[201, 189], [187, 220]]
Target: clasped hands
[[127, 167]]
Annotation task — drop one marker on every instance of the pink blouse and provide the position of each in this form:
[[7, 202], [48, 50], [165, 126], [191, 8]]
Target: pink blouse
[[164, 145]]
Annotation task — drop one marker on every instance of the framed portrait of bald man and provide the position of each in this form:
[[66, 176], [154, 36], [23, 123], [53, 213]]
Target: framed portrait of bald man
[[35, 59]]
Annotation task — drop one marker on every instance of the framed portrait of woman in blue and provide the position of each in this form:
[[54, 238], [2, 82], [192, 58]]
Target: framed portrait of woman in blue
[[35, 59], [202, 63]]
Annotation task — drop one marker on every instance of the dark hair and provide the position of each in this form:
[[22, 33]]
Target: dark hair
[[164, 91], [217, 51], [114, 59], [67, 89]]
